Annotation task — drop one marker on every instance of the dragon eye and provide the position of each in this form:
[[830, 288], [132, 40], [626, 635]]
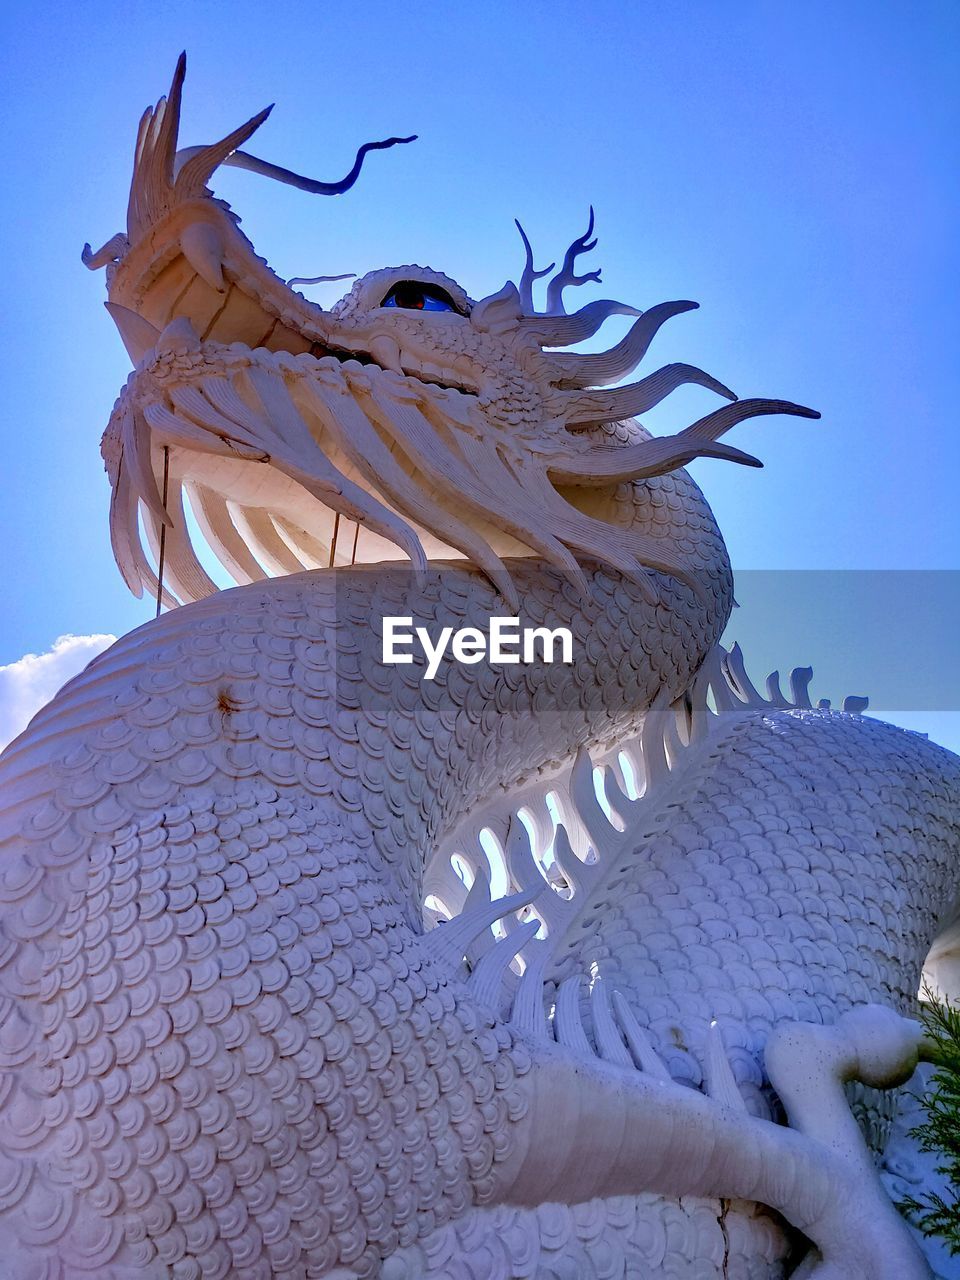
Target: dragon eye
[[413, 295]]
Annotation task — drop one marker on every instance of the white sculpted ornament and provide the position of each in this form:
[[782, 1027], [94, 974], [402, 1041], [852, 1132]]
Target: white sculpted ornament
[[230, 1047]]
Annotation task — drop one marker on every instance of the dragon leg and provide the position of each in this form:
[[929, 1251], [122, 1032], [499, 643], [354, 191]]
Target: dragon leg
[[595, 1129], [590, 1128]]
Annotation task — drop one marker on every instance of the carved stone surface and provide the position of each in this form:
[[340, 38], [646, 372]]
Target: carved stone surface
[[262, 1015]]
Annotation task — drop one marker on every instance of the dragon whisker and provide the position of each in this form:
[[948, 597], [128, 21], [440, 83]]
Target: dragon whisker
[[601, 368]]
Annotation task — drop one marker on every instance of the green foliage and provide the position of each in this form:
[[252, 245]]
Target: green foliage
[[940, 1132]]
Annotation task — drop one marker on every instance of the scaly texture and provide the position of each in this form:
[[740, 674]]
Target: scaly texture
[[211, 903], [211, 929]]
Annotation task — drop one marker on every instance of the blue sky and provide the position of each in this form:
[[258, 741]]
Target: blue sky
[[790, 166]]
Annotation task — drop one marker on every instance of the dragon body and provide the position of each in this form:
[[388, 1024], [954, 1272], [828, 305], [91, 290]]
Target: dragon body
[[230, 1046]]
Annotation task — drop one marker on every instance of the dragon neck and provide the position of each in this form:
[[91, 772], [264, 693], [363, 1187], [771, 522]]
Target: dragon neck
[[435, 750]]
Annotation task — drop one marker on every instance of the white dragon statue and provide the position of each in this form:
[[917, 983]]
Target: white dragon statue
[[235, 1042]]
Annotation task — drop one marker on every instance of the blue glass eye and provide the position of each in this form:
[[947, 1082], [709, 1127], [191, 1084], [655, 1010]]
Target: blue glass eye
[[413, 295]]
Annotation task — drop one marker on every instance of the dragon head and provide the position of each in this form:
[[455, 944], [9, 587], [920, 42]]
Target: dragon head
[[437, 424]]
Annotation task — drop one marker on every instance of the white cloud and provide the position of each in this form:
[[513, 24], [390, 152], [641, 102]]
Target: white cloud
[[29, 683]]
